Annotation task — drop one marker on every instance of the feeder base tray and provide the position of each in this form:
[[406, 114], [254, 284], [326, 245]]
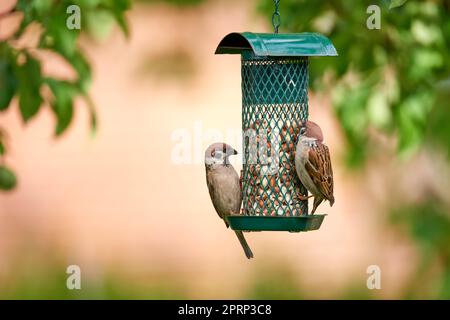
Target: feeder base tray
[[269, 223]]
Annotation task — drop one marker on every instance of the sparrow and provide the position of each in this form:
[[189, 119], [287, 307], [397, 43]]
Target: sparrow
[[224, 186], [313, 164]]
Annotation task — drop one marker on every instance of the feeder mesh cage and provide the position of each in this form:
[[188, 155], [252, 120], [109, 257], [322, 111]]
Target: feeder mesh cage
[[274, 104]]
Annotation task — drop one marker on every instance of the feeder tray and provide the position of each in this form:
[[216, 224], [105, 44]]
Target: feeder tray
[[274, 73]]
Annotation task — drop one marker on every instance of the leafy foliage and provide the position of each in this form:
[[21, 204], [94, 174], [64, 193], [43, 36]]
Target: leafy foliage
[[396, 3], [429, 225], [180, 3], [383, 80], [274, 282], [394, 81], [20, 69], [29, 77]]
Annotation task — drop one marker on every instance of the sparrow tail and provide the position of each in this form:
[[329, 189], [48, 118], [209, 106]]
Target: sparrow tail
[[244, 244], [317, 202]]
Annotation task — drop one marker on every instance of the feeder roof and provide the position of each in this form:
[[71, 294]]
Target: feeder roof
[[277, 44]]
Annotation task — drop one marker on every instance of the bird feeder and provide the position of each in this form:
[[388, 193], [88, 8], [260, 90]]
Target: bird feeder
[[274, 72]]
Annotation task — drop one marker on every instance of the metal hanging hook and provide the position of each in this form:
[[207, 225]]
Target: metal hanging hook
[[276, 19]]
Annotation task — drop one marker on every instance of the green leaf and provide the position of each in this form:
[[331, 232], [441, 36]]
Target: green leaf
[[118, 8], [92, 114], [62, 104], [28, 16], [443, 86], [8, 84], [63, 40], [122, 23], [41, 6], [83, 69], [99, 23], [2, 146], [29, 76], [89, 4], [438, 130], [412, 118], [7, 178], [396, 3], [426, 34]]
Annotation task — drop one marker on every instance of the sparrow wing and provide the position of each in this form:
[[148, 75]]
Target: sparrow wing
[[212, 191], [319, 169]]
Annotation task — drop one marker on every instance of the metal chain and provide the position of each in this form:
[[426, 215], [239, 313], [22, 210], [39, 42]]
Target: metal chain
[[276, 19]]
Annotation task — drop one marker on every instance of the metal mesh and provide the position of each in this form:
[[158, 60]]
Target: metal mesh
[[274, 103]]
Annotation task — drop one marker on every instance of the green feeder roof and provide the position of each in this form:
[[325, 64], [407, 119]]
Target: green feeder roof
[[277, 44]]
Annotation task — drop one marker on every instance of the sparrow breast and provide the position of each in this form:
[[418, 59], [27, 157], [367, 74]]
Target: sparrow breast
[[301, 158]]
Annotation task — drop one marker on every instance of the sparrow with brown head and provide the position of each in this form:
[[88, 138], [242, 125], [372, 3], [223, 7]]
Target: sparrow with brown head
[[313, 164], [224, 187]]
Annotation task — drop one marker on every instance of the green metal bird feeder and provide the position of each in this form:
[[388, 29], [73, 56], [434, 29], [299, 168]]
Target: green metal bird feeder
[[274, 71]]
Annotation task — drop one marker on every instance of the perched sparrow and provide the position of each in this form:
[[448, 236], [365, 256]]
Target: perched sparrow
[[223, 185], [313, 164]]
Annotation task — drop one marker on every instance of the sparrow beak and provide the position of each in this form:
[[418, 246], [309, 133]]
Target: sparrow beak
[[230, 151]]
